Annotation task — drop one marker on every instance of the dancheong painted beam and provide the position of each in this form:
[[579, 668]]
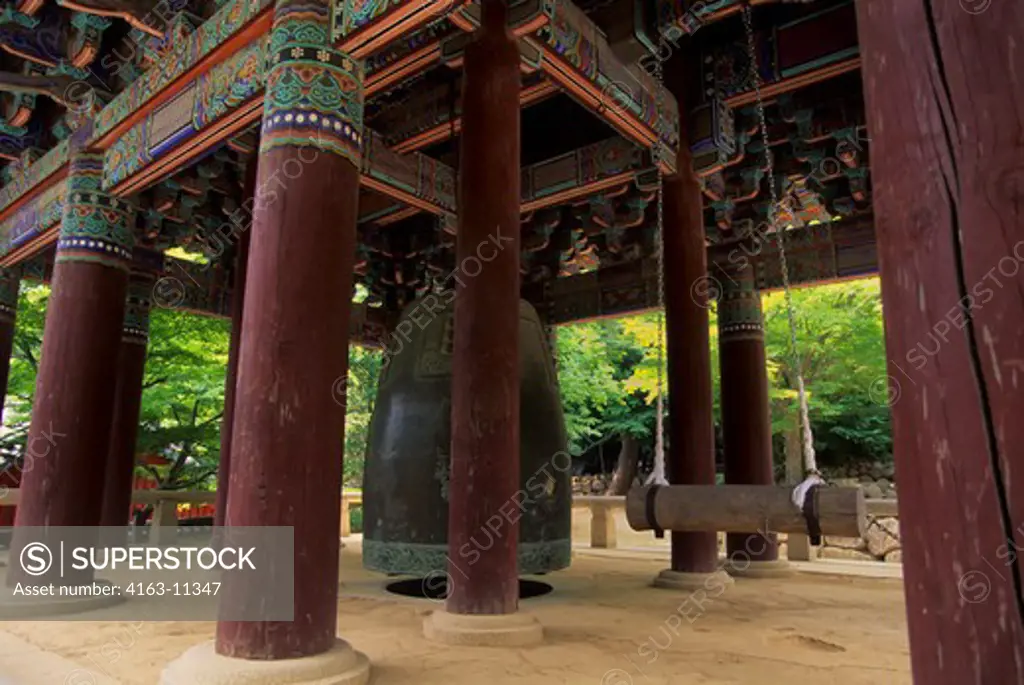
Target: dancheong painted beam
[[202, 87], [208, 87], [573, 52]]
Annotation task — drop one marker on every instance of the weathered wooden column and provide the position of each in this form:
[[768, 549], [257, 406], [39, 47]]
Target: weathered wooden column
[[483, 592], [131, 366], [944, 85], [746, 414], [74, 401], [231, 378], [691, 433], [10, 281], [288, 431]]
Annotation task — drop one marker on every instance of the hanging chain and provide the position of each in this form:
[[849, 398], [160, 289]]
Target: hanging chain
[[810, 460], [658, 475], [453, 99]]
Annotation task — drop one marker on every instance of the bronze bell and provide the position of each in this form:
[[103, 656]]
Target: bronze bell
[[405, 484]]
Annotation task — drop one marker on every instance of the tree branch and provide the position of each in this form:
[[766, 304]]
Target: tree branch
[[153, 472], [198, 479], [212, 419], [26, 350], [179, 461]]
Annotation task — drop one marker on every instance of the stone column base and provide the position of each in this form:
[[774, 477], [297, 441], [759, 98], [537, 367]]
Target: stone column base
[[201, 665], [13, 607], [779, 568], [681, 580], [483, 630]]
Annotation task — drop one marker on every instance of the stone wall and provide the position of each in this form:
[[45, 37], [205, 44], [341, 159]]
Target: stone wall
[[592, 485], [881, 542], [878, 479]]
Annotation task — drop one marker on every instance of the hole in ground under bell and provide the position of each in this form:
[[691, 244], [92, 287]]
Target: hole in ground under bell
[[437, 588]]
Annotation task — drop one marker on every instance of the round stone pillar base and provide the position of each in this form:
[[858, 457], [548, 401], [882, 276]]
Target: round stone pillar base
[[681, 580], [13, 607], [201, 665], [745, 568], [483, 630]]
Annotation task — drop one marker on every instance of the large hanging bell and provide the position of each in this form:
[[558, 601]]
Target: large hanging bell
[[405, 485]]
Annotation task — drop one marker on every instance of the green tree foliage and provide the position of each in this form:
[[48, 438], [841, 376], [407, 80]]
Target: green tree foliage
[[183, 397], [842, 353], [607, 378], [183, 389], [840, 339], [21, 383], [587, 380], [364, 366], [595, 363], [183, 393]]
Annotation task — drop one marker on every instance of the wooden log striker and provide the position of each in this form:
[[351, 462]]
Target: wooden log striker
[[743, 508]]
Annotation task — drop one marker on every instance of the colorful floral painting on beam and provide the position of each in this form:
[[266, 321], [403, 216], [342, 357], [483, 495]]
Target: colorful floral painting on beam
[[221, 26], [216, 93], [30, 177]]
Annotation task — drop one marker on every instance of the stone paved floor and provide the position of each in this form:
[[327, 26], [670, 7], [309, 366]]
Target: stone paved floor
[[604, 623]]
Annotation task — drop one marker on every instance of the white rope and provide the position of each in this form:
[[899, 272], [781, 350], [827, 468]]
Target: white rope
[[810, 460], [800, 492]]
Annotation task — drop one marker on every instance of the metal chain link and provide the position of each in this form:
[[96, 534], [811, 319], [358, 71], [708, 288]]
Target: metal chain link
[[810, 460], [658, 474]]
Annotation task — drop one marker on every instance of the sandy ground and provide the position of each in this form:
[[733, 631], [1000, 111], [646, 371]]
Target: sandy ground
[[604, 625]]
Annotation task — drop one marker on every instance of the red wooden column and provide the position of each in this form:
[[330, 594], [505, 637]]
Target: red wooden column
[[288, 431], [485, 363], [485, 367], [10, 280], [74, 399], [691, 437], [746, 419], [231, 378], [131, 366], [944, 85]]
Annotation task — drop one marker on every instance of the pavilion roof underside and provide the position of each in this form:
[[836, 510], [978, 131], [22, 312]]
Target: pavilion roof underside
[[181, 128]]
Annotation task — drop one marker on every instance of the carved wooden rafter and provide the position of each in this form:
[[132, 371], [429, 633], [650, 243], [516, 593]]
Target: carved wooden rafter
[[61, 88], [86, 36], [151, 16], [29, 38], [18, 107], [14, 142], [55, 52], [29, 7], [820, 163], [197, 209]]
